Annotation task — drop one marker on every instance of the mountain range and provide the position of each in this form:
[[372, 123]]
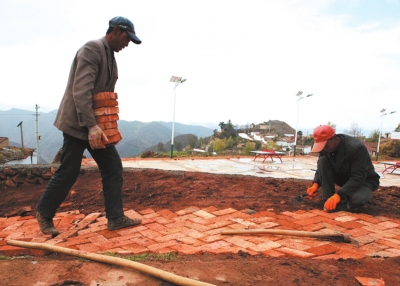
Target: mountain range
[[137, 136]]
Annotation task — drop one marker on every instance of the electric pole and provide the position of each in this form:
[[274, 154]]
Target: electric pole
[[22, 135]]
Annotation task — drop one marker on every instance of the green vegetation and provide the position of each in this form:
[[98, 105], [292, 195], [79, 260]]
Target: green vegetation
[[3, 257], [146, 256]]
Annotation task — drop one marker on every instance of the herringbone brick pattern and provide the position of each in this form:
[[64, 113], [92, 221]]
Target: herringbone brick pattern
[[193, 231]]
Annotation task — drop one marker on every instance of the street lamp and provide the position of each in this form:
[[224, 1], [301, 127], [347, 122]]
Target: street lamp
[[177, 81], [380, 131], [297, 121]]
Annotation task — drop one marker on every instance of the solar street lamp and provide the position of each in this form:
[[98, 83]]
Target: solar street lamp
[[177, 81], [297, 121], [383, 113]]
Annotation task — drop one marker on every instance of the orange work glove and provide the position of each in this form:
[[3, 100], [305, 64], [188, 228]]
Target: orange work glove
[[312, 191], [96, 135], [331, 203]]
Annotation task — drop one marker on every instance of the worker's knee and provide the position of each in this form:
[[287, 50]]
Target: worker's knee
[[360, 197]]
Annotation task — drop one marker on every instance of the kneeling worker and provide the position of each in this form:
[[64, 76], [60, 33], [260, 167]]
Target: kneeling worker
[[344, 161]]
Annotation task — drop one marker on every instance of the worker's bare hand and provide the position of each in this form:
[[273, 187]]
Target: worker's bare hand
[[96, 137]]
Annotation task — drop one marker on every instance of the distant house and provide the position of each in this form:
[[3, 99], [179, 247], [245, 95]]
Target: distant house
[[371, 147], [4, 142], [263, 126]]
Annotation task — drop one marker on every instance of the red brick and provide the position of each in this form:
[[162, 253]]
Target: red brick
[[215, 245], [172, 230], [273, 253], [295, 252], [328, 257], [98, 239], [350, 224], [262, 247], [39, 252], [9, 250], [193, 233], [146, 211], [211, 238], [323, 249], [224, 212], [155, 226], [394, 243], [264, 214], [161, 220], [88, 247], [136, 248], [159, 246], [189, 240], [210, 209], [293, 243], [165, 238], [188, 210], [220, 224], [143, 241], [345, 254], [357, 232], [238, 241], [166, 214], [150, 233], [186, 249], [66, 205]]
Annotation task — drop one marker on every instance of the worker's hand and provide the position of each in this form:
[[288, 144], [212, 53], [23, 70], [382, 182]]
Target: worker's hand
[[96, 137], [331, 203], [312, 191]]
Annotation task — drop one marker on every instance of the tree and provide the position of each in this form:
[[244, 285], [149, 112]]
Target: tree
[[160, 147], [373, 136], [192, 141], [332, 125], [219, 145], [178, 146], [299, 136], [248, 148], [397, 128], [355, 130], [391, 148]]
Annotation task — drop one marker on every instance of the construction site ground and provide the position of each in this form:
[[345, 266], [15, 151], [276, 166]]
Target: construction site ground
[[185, 204]]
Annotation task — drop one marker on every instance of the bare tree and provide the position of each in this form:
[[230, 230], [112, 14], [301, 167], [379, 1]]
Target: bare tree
[[354, 130]]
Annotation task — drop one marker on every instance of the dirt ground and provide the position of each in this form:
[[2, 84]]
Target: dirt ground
[[176, 190]]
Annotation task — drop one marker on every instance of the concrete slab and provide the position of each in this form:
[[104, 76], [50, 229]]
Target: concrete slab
[[300, 167]]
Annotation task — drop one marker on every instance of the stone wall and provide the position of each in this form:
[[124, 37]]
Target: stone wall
[[12, 176]]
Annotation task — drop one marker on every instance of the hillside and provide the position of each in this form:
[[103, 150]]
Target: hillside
[[137, 136]]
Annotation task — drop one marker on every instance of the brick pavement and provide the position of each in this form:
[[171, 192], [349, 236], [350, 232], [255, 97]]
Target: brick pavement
[[193, 230]]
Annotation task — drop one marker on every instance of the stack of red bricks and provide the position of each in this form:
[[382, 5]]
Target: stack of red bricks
[[105, 105]]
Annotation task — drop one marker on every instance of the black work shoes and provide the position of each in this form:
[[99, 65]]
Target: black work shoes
[[122, 222], [46, 225]]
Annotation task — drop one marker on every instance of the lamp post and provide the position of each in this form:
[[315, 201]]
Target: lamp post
[[297, 121], [380, 131], [177, 81]]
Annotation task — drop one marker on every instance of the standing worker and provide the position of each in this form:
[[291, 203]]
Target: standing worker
[[87, 117], [344, 161]]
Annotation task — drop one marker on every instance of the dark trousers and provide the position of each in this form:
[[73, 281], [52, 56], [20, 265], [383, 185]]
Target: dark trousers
[[328, 178], [61, 182]]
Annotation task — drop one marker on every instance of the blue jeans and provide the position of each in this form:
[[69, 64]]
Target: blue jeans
[[61, 182]]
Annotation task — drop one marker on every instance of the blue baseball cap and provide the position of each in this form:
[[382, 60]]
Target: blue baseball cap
[[127, 25]]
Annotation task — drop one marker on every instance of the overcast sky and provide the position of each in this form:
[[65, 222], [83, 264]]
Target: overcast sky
[[244, 61]]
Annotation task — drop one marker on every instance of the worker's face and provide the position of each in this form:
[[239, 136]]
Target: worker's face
[[330, 145], [120, 40]]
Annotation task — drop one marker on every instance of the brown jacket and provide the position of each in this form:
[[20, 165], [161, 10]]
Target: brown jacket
[[93, 70]]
